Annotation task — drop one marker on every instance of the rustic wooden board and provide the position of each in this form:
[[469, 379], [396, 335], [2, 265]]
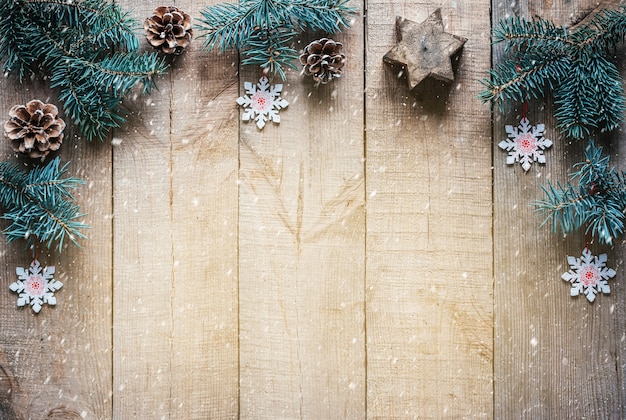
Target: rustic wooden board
[[360, 260], [57, 364], [143, 264], [302, 253], [429, 244], [205, 202], [176, 201], [555, 356], [617, 324]]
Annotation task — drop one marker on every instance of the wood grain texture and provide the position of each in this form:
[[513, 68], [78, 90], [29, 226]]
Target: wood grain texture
[[205, 203], [555, 356], [58, 362], [429, 244], [617, 323], [143, 259], [302, 254], [360, 260]]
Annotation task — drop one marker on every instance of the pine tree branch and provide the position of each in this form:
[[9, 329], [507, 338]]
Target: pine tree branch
[[15, 54], [598, 202], [263, 29], [586, 84], [79, 56], [271, 51], [519, 79], [40, 204], [228, 25], [321, 15]]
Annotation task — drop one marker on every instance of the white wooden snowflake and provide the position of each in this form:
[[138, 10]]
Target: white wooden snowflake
[[525, 143], [588, 275], [35, 286], [262, 102]]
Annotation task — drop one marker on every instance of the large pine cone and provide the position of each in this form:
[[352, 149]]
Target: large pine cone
[[169, 29], [34, 129], [323, 60]]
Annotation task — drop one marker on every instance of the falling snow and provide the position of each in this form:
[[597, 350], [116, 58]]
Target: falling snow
[[588, 275], [35, 286], [525, 144], [262, 102]]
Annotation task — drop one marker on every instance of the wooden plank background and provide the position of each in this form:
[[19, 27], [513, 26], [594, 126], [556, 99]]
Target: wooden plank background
[[372, 256]]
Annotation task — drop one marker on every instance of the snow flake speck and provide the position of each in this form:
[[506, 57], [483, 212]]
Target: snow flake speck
[[35, 286], [262, 102], [525, 143], [588, 275]]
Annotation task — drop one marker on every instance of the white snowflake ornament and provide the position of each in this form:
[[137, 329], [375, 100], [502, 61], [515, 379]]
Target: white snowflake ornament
[[35, 286], [588, 275], [525, 143], [262, 102]]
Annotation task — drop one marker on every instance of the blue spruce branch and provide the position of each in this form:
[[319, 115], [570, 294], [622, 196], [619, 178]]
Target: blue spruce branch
[[576, 66], [263, 29], [87, 48], [39, 204], [597, 201]]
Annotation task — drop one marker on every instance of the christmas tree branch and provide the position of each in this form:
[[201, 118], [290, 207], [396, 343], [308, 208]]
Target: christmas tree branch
[[322, 15], [598, 202], [227, 25], [263, 29], [519, 80], [575, 66], [90, 110], [270, 50], [79, 56], [40, 204]]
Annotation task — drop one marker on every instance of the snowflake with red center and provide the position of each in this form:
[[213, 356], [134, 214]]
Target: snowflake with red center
[[525, 143], [262, 102], [35, 286], [588, 275]]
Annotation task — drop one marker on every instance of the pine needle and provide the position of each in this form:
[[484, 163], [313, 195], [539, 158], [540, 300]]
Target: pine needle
[[87, 48], [576, 66]]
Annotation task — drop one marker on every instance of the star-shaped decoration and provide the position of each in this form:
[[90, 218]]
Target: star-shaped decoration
[[424, 49]]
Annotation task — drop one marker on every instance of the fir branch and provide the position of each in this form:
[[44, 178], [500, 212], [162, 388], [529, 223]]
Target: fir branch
[[263, 29], [524, 77], [592, 100], [271, 51], [17, 57], [579, 71], [91, 111], [597, 202], [227, 25], [321, 15], [518, 33], [39, 204], [89, 51]]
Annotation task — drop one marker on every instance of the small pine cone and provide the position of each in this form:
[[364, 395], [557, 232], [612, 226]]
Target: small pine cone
[[34, 129], [323, 60], [169, 29]]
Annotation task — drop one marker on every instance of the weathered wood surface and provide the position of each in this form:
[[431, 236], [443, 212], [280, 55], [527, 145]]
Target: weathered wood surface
[[302, 250], [371, 257], [554, 356], [429, 277]]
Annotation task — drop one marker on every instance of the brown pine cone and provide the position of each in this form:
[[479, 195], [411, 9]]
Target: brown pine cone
[[169, 29], [323, 60], [34, 129]]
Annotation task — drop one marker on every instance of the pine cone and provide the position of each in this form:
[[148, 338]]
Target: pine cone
[[34, 129], [323, 60], [169, 29]]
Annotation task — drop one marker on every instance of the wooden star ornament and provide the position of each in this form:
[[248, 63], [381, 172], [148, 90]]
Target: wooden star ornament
[[424, 49]]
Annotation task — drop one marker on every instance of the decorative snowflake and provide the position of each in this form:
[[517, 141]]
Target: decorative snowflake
[[35, 286], [525, 143], [264, 102], [588, 274]]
